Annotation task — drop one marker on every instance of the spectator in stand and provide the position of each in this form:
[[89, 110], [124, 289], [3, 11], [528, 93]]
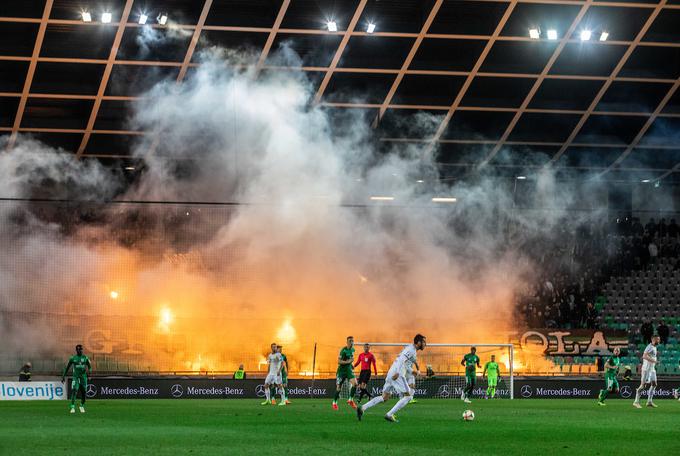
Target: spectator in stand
[[651, 227], [663, 332], [646, 330], [673, 229], [662, 228], [653, 252], [637, 227], [25, 372], [590, 316]]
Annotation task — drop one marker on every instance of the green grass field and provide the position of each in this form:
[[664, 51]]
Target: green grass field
[[310, 427]]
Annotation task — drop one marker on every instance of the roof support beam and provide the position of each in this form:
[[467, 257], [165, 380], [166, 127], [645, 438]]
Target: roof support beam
[[341, 48], [468, 81], [609, 81], [31, 72], [530, 95], [407, 61], [645, 127], [105, 77], [272, 35]]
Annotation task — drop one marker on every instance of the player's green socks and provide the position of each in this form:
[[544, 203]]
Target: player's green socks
[[493, 392], [603, 395], [352, 392], [337, 396]]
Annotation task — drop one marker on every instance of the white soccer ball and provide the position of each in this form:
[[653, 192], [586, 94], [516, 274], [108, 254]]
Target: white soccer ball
[[468, 415]]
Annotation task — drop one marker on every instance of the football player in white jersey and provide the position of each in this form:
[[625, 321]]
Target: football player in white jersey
[[395, 381], [648, 379], [411, 375], [275, 361]]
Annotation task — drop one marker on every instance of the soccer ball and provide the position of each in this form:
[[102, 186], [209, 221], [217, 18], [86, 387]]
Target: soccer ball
[[468, 415]]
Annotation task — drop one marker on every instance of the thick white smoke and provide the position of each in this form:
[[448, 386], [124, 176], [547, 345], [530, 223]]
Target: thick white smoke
[[300, 241]]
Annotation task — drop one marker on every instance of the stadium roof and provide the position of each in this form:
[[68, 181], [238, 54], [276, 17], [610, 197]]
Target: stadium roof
[[501, 98]]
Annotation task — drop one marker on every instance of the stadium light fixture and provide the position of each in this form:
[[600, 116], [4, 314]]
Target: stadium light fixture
[[521, 178], [129, 168], [646, 181], [585, 35], [370, 28], [87, 17], [106, 17], [420, 181], [382, 198], [142, 19], [552, 34], [162, 19], [447, 199], [604, 36], [114, 295], [534, 33], [332, 26]]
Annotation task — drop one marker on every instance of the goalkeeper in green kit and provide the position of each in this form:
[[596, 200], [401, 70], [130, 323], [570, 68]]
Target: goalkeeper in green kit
[[611, 369], [81, 367], [491, 370], [470, 361]]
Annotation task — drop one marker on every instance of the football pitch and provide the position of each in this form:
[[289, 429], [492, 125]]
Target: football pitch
[[310, 427]]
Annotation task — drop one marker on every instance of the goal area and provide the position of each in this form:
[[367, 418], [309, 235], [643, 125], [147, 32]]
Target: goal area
[[442, 374]]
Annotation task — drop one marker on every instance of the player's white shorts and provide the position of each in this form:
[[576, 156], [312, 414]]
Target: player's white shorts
[[410, 379], [273, 379], [648, 376], [397, 387]]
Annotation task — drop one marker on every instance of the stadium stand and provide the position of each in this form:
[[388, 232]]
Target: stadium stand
[[629, 278]]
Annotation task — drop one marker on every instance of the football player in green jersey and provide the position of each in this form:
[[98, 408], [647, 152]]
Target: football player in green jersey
[[470, 361], [346, 372], [492, 371], [611, 370], [81, 368], [284, 375]]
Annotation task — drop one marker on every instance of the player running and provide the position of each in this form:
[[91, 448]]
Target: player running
[[470, 361], [649, 361], [491, 371], [611, 370], [411, 375], [395, 381], [81, 368], [284, 373], [275, 361], [345, 372], [367, 360]]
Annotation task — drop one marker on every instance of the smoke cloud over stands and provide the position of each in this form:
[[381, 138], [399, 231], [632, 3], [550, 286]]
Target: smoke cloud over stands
[[300, 246]]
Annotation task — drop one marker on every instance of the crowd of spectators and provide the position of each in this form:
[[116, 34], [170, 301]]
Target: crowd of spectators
[[575, 266]]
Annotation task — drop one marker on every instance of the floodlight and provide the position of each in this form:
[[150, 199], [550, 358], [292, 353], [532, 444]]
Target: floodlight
[[604, 36], [534, 33], [447, 199], [370, 28], [106, 18], [143, 18], [585, 35], [162, 19], [382, 198], [332, 26], [87, 17], [552, 34]]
